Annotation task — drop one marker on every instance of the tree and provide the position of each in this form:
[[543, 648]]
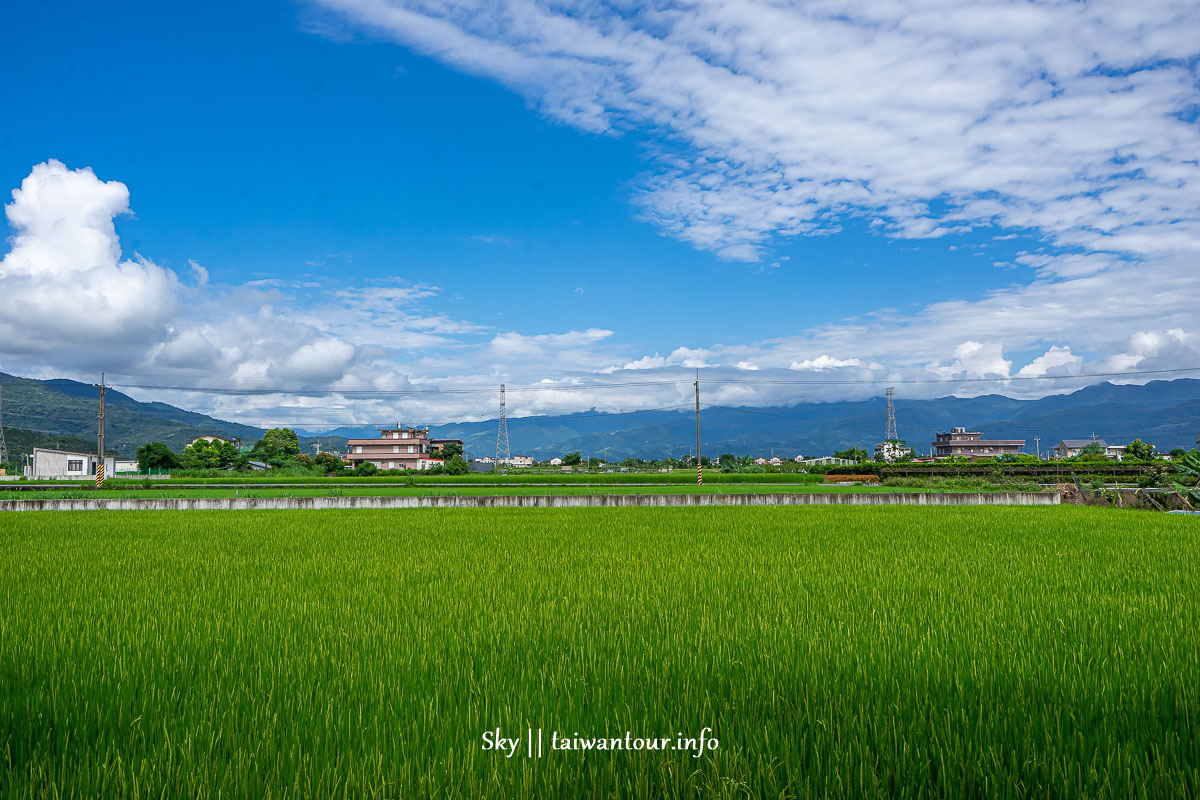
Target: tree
[[1142, 451], [1091, 450], [365, 468], [450, 450], [328, 462], [454, 465], [855, 454], [1176, 452], [200, 455], [156, 455], [203, 454], [278, 444], [727, 460], [572, 459]]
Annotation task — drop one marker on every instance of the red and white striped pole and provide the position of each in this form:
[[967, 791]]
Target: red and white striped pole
[[699, 464]]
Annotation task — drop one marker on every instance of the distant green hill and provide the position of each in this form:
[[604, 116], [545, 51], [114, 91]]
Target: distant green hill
[[67, 410], [21, 442]]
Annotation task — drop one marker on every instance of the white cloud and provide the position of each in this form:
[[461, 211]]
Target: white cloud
[[64, 280], [1055, 361], [1071, 122], [1067, 117], [825, 362]]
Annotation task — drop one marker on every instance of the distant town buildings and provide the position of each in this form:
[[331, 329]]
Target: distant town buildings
[[971, 444]]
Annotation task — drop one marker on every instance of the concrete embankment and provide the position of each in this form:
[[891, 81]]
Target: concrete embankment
[[536, 501]]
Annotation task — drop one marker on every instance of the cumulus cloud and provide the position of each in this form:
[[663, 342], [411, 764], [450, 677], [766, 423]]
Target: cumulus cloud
[[64, 279]]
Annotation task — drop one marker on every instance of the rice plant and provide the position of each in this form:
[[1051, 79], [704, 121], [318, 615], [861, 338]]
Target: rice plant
[[949, 652]]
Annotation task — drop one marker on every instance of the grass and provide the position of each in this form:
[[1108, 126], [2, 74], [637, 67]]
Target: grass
[[951, 652]]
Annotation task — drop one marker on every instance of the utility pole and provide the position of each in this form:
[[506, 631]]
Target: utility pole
[[100, 436], [699, 466], [1037, 443]]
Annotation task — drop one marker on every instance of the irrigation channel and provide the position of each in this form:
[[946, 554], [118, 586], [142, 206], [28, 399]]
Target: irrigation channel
[[534, 501]]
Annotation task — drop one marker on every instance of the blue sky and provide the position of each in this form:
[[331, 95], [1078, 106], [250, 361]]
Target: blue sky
[[584, 192]]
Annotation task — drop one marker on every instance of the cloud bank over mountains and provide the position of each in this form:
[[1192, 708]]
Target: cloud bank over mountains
[[1069, 122]]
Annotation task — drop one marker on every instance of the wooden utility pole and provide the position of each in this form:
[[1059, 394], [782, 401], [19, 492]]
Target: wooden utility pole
[[699, 467], [100, 436]]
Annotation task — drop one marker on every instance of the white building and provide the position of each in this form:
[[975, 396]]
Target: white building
[[48, 463], [1069, 448], [556, 462], [891, 451], [520, 461], [826, 461]]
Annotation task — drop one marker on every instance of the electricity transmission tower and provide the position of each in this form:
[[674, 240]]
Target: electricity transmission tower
[[502, 453], [891, 434], [3, 446]]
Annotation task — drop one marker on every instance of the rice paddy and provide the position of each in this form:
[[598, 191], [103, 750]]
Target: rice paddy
[[950, 652]]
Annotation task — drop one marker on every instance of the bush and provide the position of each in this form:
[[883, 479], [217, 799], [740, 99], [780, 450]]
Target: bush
[[365, 468]]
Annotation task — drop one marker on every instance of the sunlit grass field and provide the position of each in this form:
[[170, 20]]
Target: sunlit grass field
[[953, 652]]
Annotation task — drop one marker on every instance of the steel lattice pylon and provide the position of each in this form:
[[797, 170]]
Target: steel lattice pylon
[[3, 446], [891, 434], [502, 452]]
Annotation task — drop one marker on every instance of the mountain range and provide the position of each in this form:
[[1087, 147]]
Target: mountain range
[[1167, 413]]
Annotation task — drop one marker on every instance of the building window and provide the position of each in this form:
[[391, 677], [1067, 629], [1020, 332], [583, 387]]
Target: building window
[[395, 448], [410, 449], [358, 448], [75, 465], [404, 435]]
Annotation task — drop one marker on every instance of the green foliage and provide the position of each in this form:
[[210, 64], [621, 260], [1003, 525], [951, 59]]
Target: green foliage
[[450, 450], [1139, 450], [364, 468], [329, 463], [572, 459], [203, 454], [294, 660], [156, 456], [1188, 484], [456, 466], [278, 444], [853, 454], [1091, 450]]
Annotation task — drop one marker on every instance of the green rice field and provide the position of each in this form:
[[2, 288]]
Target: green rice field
[[846, 652]]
